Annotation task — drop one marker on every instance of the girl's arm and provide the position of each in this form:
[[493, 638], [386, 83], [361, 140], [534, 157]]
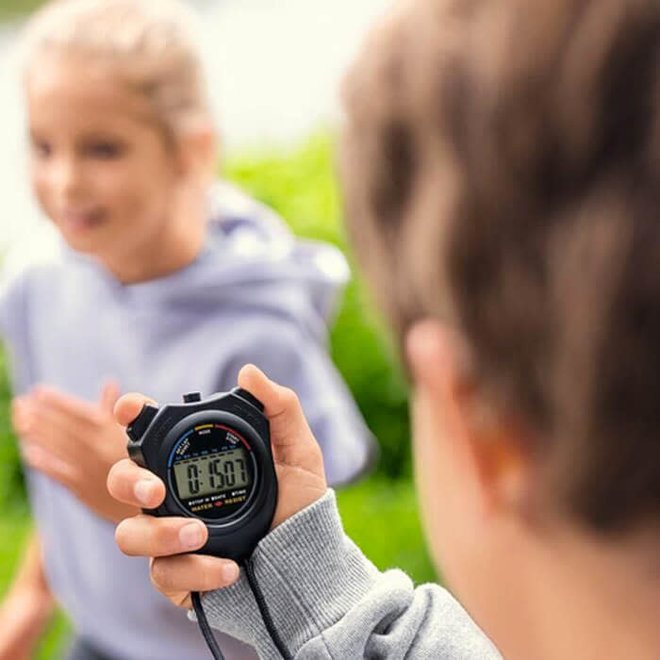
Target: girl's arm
[[27, 606]]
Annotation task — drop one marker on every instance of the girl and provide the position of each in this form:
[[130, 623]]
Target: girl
[[165, 283]]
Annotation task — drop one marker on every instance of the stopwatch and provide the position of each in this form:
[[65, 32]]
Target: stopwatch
[[215, 458]]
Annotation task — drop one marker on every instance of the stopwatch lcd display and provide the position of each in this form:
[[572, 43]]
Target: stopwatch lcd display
[[212, 469], [212, 474]]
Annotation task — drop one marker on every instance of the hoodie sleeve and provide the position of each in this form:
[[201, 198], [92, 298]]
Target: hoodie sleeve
[[294, 358], [329, 601], [14, 328], [11, 297]]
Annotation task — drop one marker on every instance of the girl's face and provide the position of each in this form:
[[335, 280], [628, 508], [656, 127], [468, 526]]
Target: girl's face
[[101, 166]]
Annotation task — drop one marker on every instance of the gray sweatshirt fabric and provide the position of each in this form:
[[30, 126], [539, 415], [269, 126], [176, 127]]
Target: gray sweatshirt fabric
[[328, 601], [254, 294]]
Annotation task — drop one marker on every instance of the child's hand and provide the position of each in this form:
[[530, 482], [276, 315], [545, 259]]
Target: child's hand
[[24, 614], [300, 476], [73, 442]]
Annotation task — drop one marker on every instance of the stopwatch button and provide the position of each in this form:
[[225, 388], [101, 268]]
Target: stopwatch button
[[192, 397], [136, 454], [135, 430], [244, 394]]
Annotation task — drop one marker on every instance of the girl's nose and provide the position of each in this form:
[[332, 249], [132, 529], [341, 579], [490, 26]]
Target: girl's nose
[[66, 175]]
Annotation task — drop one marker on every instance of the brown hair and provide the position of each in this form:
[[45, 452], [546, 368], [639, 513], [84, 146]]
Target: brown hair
[[501, 172]]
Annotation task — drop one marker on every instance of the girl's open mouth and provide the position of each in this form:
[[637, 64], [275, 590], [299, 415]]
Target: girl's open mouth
[[81, 220]]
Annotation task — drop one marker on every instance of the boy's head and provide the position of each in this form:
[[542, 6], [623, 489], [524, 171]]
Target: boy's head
[[502, 184], [119, 120]]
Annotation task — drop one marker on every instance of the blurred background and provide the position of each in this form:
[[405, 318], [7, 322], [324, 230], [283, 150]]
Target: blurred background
[[274, 70]]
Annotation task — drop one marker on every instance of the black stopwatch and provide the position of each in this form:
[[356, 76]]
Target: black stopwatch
[[215, 459]]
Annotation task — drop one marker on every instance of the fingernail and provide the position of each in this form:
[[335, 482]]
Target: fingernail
[[230, 573], [144, 490], [191, 535]]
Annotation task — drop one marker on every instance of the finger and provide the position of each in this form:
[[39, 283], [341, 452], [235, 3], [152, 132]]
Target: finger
[[192, 573], [74, 409], [109, 395], [21, 414], [128, 407], [49, 438], [49, 464], [290, 432], [131, 484], [149, 536], [58, 431]]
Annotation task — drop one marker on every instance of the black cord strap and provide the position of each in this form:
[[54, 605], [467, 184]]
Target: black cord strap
[[261, 604], [263, 608], [204, 626]]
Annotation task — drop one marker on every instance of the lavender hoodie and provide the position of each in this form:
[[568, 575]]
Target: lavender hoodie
[[254, 294]]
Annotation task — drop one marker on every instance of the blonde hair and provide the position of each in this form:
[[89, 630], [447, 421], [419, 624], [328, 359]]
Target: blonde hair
[[149, 43]]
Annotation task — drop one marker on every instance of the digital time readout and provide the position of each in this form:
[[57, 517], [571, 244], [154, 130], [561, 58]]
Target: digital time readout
[[212, 474]]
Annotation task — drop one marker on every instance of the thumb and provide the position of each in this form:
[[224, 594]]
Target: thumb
[[290, 434], [109, 396]]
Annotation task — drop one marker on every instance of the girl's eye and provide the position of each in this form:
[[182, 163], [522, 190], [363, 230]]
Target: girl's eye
[[41, 149], [104, 150]]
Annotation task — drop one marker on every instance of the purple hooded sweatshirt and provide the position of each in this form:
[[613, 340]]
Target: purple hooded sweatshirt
[[254, 294]]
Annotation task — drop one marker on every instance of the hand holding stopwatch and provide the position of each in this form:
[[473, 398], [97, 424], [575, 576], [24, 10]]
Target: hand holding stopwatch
[[215, 459]]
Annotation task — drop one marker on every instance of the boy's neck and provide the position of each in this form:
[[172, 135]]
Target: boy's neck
[[589, 599]]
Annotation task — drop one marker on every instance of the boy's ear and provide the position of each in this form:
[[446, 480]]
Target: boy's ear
[[489, 444], [198, 151]]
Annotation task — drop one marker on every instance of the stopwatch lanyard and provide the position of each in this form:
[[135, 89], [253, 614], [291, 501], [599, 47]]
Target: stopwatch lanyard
[[263, 609]]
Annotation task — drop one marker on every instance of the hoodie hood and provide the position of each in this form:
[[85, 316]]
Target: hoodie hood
[[250, 259]]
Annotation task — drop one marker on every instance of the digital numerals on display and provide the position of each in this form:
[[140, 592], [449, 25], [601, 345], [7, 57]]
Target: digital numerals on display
[[213, 473]]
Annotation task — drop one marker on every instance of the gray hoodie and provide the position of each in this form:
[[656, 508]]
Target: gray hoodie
[[254, 294], [329, 602]]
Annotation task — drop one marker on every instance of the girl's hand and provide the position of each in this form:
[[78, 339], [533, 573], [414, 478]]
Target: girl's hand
[[74, 442], [27, 606], [24, 614], [300, 476]]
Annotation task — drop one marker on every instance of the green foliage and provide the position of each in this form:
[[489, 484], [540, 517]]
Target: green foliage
[[10, 9], [12, 489], [381, 516]]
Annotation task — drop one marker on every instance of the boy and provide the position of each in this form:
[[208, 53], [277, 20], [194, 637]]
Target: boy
[[501, 173]]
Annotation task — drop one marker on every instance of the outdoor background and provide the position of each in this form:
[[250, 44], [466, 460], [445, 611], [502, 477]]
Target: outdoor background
[[276, 122]]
